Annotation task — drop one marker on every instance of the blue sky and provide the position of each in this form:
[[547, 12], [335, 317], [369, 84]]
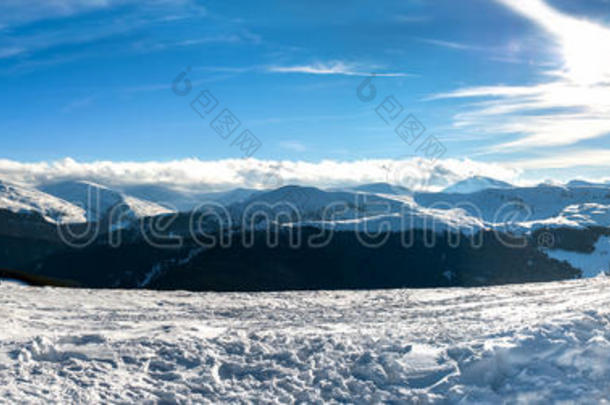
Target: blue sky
[[524, 83]]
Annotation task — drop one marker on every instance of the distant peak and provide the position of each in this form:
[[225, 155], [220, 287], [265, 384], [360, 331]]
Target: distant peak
[[381, 188], [584, 183], [476, 183]]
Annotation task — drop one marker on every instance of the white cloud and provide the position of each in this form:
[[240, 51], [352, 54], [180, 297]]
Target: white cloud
[[332, 68], [572, 106], [199, 175], [584, 45]]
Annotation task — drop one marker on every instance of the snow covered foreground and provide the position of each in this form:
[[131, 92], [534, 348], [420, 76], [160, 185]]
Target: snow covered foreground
[[535, 343]]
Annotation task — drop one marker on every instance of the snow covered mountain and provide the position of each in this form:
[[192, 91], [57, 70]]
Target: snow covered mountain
[[310, 201], [310, 206], [474, 184], [99, 201], [529, 207], [497, 206], [26, 200], [381, 206], [522, 209]]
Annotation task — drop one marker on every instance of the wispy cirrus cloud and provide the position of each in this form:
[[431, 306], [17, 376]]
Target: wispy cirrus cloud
[[241, 37], [78, 104], [15, 12], [293, 145], [334, 68], [11, 51], [218, 39], [571, 106], [24, 11], [24, 44], [451, 44]]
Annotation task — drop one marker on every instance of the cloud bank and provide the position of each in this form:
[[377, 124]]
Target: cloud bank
[[218, 175]]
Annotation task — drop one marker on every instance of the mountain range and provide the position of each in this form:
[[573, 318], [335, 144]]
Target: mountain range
[[145, 236], [577, 203]]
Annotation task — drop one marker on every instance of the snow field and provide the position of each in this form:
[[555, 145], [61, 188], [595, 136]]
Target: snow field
[[535, 343]]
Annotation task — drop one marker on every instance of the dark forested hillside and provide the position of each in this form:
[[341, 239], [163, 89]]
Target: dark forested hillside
[[343, 263]]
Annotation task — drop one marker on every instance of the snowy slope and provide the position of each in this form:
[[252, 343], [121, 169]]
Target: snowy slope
[[536, 343], [591, 264], [408, 216], [578, 216], [98, 200], [307, 204], [474, 184], [162, 195], [540, 202], [23, 199]]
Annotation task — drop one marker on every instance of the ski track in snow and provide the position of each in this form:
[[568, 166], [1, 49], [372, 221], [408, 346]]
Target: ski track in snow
[[533, 343]]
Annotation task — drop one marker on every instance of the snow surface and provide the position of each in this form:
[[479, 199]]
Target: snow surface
[[98, 200], [22, 199], [533, 343], [592, 264]]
